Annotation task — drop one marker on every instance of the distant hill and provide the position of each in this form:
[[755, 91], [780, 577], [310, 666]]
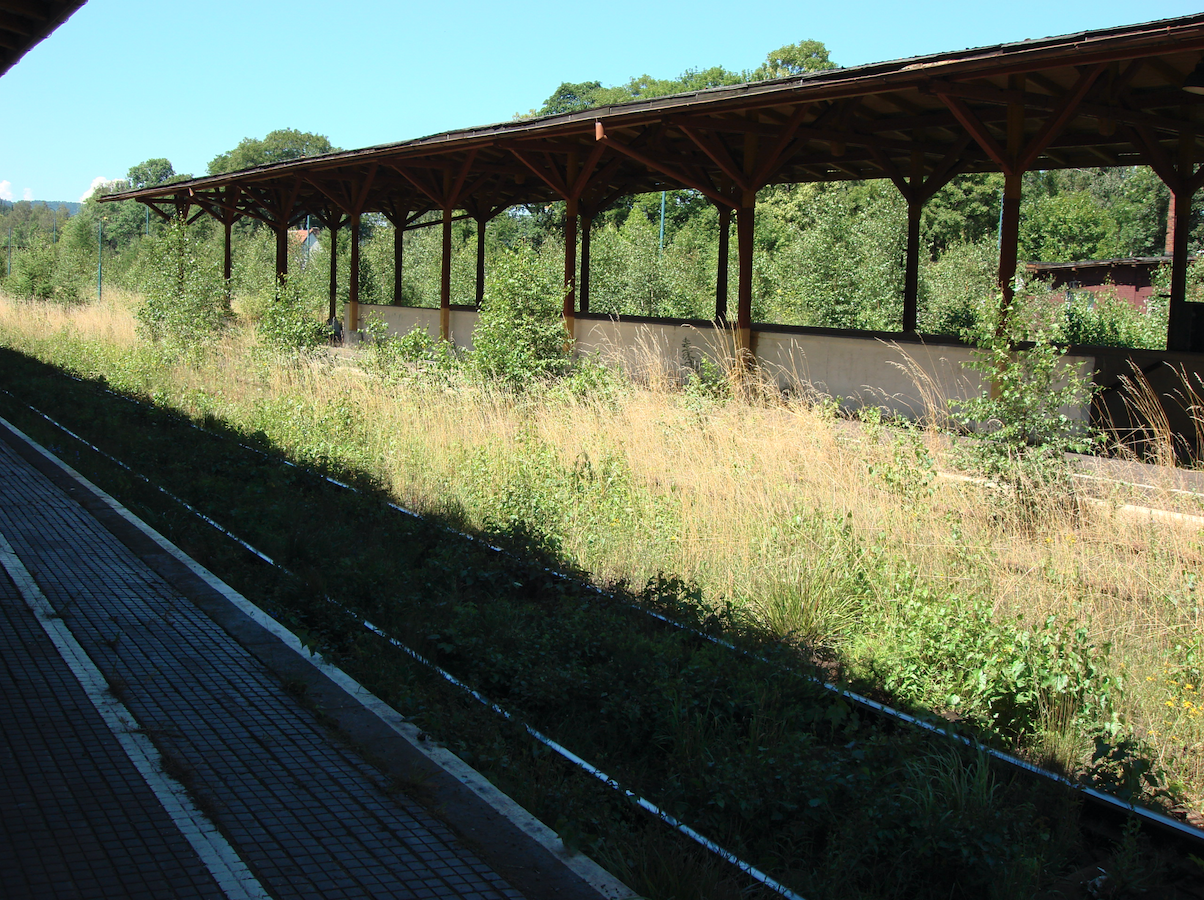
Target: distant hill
[[72, 205]]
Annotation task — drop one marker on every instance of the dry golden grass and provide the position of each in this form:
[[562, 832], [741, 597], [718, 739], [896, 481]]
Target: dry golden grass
[[772, 506], [110, 322]]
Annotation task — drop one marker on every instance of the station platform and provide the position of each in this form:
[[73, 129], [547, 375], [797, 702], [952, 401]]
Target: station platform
[[153, 741]]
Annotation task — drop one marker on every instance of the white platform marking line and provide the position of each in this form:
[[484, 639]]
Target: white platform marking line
[[223, 862]]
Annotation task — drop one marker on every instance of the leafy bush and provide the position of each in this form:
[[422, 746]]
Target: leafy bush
[[524, 500], [1105, 320], [390, 355], [633, 274], [591, 380], [957, 286], [703, 379], [955, 654], [1121, 766], [416, 344], [1020, 427], [844, 266], [1067, 226], [520, 334], [911, 470], [289, 324]]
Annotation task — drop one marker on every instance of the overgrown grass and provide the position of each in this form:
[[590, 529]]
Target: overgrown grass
[[836, 544]]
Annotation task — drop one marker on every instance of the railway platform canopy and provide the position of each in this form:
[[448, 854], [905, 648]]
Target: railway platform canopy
[[1125, 96], [24, 23]]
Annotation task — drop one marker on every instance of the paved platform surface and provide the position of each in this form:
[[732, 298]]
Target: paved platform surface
[[76, 817], [302, 813]]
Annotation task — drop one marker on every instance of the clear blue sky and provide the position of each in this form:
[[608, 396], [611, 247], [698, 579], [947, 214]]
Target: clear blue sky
[[127, 80]]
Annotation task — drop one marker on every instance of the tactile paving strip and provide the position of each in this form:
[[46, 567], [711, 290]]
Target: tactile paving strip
[[76, 817]]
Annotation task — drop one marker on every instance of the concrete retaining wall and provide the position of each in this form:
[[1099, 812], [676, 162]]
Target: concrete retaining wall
[[402, 319], [905, 377]]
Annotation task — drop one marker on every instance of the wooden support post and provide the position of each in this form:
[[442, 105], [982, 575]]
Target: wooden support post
[[481, 223], [398, 257], [1179, 325], [587, 227], [745, 217], [445, 277], [911, 262], [334, 266], [571, 208], [744, 253], [1009, 239], [281, 253], [725, 220], [570, 266], [1169, 247], [353, 276], [1009, 220], [227, 260], [911, 271]]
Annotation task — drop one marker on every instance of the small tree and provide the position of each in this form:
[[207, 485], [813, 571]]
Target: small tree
[[185, 297], [795, 59], [277, 146], [34, 272], [151, 172]]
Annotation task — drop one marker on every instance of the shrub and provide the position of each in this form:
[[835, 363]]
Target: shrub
[[954, 653], [41, 273], [33, 273], [1105, 320], [957, 285], [845, 262], [520, 335], [1020, 427], [415, 352], [289, 324]]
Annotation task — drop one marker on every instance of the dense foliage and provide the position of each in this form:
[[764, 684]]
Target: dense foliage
[[185, 299], [792, 59], [520, 334]]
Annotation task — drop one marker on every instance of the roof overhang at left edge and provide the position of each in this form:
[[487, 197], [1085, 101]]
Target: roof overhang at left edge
[[23, 23]]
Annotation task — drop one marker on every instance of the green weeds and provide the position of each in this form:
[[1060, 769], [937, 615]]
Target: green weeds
[[287, 326], [784, 773], [520, 336], [952, 653]]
